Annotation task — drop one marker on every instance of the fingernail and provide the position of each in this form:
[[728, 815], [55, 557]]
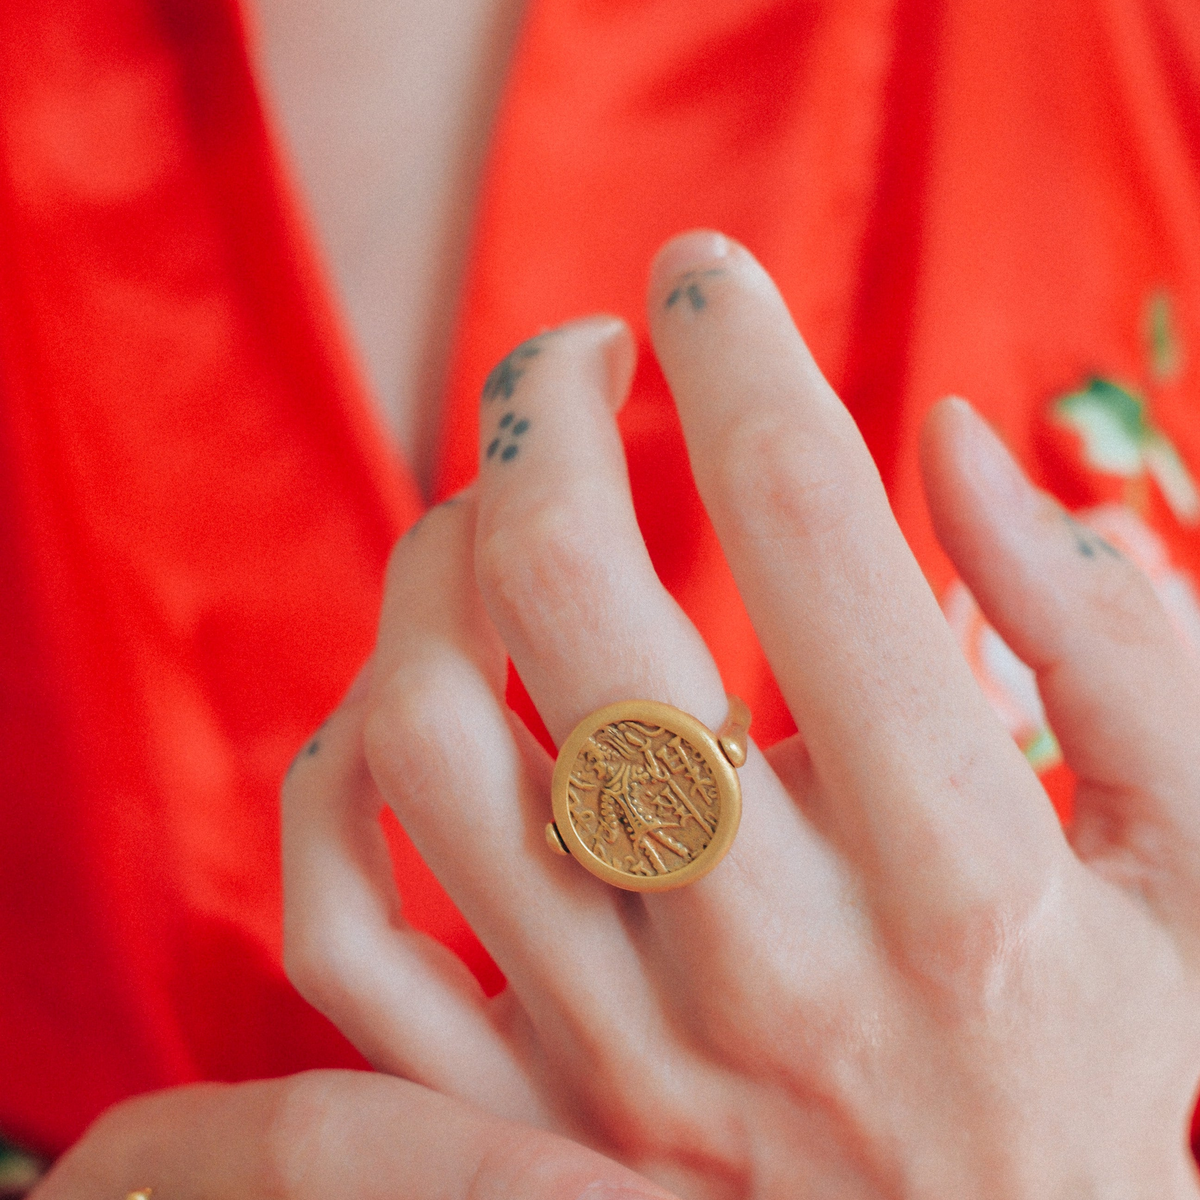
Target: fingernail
[[995, 468], [990, 460], [621, 351], [599, 329], [612, 339], [689, 252]]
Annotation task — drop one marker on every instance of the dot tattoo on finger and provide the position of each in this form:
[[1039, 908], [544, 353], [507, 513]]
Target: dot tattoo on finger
[[415, 527], [312, 748], [509, 430]]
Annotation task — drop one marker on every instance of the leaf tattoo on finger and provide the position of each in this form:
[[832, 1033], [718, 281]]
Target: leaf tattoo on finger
[[689, 287], [1089, 543], [502, 381]]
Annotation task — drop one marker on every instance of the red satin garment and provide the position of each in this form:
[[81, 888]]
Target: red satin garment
[[994, 200], [197, 507]]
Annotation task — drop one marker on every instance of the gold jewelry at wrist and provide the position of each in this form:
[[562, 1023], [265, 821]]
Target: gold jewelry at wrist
[[645, 796]]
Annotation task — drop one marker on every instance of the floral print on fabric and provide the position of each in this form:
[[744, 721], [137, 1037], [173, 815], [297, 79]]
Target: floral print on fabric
[[1007, 682], [1117, 438], [18, 1171]]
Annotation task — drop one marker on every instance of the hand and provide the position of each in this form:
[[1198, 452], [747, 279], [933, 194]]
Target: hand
[[326, 1134], [903, 980]]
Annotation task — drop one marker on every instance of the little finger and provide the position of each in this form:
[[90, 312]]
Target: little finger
[[1121, 690], [408, 1004]]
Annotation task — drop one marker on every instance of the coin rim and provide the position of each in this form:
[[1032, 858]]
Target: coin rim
[[729, 792]]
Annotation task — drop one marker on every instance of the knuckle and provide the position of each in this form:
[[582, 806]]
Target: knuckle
[[415, 721], [734, 1016], [328, 955], [970, 962], [961, 957], [534, 572], [310, 966], [337, 974], [1124, 607], [780, 481], [833, 1039], [821, 1022], [437, 729], [524, 1164], [325, 968], [298, 1127]]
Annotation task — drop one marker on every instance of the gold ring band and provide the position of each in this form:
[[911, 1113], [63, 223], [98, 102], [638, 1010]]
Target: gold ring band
[[645, 796]]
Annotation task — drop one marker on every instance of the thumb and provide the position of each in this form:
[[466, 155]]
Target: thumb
[[327, 1133]]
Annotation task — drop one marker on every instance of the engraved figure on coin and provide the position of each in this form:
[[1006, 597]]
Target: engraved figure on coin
[[642, 799]]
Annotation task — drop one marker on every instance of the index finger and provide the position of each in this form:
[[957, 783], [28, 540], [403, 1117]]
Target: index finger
[[893, 720]]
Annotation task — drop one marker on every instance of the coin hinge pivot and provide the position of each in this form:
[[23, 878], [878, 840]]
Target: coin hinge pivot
[[733, 736]]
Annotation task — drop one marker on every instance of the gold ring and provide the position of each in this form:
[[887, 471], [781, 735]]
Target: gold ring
[[645, 796]]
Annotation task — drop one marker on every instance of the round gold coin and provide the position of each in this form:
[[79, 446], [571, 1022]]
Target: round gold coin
[[644, 795]]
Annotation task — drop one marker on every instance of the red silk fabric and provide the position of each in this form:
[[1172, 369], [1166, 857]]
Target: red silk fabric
[[196, 502], [196, 511]]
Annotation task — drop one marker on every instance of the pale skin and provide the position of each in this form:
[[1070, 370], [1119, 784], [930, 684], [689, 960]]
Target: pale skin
[[384, 109], [327, 1134], [903, 980]]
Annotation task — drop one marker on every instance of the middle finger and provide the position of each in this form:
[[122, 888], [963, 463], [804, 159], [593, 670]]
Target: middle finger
[[931, 793]]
